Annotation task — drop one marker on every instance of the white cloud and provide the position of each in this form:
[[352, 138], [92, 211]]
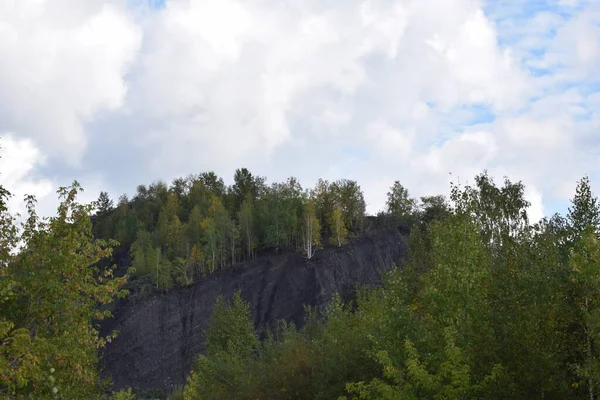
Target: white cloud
[[18, 159], [390, 142], [243, 86], [576, 48], [62, 63], [535, 198], [283, 86], [534, 138]]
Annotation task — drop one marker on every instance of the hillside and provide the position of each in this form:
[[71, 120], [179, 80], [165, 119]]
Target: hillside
[[162, 334]]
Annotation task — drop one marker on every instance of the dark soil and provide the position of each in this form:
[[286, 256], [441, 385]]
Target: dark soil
[[161, 334]]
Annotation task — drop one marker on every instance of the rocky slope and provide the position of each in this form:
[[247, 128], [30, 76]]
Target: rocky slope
[[161, 334]]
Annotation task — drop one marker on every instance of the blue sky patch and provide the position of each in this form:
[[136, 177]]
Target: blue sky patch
[[158, 4]]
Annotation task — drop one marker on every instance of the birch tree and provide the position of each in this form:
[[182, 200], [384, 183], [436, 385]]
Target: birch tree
[[311, 229], [337, 227]]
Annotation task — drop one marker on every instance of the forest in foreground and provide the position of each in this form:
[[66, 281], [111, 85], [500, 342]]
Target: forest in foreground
[[489, 305]]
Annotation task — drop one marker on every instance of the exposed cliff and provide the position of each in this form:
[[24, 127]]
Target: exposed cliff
[[161, 334]]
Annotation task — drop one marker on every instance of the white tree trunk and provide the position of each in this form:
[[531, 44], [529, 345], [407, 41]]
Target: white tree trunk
[[308, 245]]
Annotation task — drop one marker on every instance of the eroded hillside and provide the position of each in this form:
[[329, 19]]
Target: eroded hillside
[[161, 334]]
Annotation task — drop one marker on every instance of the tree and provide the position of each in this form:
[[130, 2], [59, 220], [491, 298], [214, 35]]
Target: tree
[[139, 250], [399, 203], [230, 342], [210, 241], [105, 204], [183, 271], [584, 210], [349, 197], [196, 259], [50, 293], [177, 244], [500, 212], [338, 228], [180, 187], [199, 196], [311, 229], [234, 236], [585, 275], [222, 221], [246, 219], [451, 381], [324, 201], [245, 187], [455, 290], [194, 226], [125, 222], [434, 208], [167, 215], [293, 198], [272, 217], [212, 182], [103, 222], [161, 269]]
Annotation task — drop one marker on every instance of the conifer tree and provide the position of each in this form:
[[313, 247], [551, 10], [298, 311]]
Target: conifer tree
[[584, 210], [105, 204]]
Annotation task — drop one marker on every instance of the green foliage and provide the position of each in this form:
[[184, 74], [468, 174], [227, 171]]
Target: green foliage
[[324, 199], [50, 293], [585, 276], [123, 395], [337, 227], [246, 219], [451, 381], [105, 204], [201, 225], [487, 306], [399, 202], [434, 208], [584, 211], [230, 343], [349, 197], [230, 329], [311, 229]]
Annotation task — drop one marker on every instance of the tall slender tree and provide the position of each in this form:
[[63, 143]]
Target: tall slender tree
[[311, 229], [246, 220], [584, 210], [338, 228]]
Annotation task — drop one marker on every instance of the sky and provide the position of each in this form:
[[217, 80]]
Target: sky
[[118, 93]]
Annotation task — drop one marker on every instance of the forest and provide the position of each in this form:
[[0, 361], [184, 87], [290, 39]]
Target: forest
[[488, 305], [199, 225]]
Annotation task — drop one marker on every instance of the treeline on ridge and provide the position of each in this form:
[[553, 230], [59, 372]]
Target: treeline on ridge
[[199, 225]]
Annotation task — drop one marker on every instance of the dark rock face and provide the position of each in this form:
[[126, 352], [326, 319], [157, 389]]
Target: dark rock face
[[162, 334]]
